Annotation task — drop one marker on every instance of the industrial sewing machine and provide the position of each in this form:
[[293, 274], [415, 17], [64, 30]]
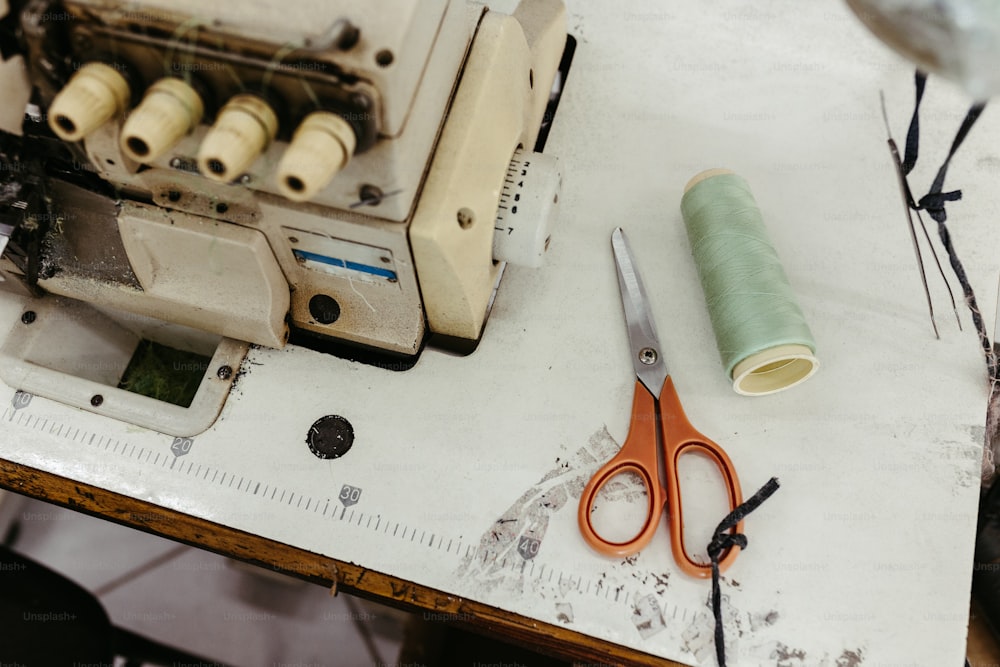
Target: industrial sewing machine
[[203, 177]]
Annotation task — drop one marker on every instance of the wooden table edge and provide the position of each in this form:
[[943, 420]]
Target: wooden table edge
[[334, 574]]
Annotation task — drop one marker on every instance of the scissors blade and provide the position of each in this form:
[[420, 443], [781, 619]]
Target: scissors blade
[[644, 344]]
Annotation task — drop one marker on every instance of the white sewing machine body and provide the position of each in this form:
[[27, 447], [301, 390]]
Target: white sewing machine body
[[321, 170]]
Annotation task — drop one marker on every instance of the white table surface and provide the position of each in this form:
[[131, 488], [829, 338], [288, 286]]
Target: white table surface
[[863, 557]]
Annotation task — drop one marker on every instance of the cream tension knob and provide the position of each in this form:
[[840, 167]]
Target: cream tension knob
[[92, 97], [170, 109], [244, 128], [321, 146]]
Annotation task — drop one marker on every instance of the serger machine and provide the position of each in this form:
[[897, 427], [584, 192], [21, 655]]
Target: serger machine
[[193, 178]]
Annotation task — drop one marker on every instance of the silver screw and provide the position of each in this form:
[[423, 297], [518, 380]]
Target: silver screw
[[647, 355]]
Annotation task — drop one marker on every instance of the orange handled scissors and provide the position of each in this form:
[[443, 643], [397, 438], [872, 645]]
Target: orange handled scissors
[[658, 435]]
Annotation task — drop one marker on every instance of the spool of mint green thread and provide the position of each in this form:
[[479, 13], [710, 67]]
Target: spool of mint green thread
[[761, 332]]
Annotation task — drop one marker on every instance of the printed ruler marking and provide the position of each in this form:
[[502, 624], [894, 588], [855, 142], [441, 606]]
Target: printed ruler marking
[[129, 450]]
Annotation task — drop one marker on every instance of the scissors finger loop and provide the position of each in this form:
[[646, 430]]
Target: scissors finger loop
[[654, 508], [709, 449]]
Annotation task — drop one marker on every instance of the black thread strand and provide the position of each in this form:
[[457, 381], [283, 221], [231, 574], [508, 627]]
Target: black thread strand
[[934, 203], [913, 134], [970, 300], [722, 541]]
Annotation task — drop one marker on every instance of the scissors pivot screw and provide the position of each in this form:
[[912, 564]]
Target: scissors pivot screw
[[647, 355]]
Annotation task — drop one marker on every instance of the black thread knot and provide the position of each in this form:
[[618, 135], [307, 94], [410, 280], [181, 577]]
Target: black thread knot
[[721, 543], [933, 203], [723, 540]]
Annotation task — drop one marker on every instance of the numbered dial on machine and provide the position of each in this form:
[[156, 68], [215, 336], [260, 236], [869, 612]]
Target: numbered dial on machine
[[527, 210]]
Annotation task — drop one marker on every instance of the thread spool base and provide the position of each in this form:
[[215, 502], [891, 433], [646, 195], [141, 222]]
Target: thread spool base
[[774, 370]]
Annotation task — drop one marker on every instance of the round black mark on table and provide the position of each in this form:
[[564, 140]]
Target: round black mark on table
[[330, 437]]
